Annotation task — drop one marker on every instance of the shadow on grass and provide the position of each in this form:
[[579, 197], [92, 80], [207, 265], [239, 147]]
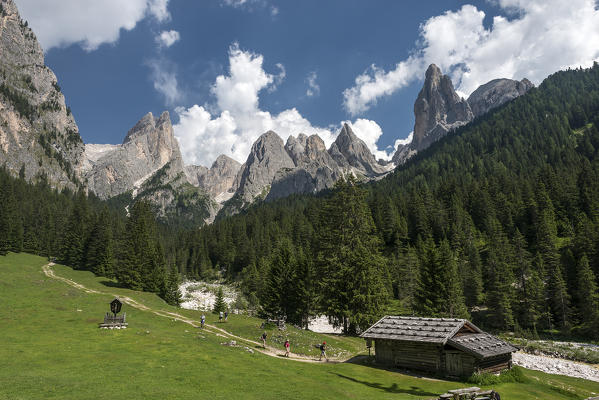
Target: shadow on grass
[[368, 361], [112, 284], [394, 388]]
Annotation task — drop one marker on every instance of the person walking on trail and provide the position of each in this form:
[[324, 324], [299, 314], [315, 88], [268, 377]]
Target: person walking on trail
[[203, 320], [220, 316], [287, 346], [263, 337], [226, 315], [323, 351]]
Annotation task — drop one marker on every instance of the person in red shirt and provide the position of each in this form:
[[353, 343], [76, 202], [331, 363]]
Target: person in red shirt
[[287, 346]]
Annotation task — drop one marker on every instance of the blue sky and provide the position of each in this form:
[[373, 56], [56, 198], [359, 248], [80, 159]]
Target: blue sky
[[303, 56]]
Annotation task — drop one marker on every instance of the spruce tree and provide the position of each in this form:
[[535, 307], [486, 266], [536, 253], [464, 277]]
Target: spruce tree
[[350, 265], [453, 302], [170, 291], [431, 286], [219, 304], [588, 296]]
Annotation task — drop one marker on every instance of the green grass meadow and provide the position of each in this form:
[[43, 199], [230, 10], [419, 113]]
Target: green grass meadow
[[51, 348]]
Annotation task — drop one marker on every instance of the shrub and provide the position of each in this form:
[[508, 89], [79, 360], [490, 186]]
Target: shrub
[[513, 375]]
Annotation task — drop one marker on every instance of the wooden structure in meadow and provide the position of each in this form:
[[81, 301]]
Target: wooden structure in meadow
[[447, 346]]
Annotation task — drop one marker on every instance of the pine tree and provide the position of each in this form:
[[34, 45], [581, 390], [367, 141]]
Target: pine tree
[[100, 254], [454, 305], [219, 304], [350, 265], [170, 291], [559, 299], [431, 286], [588, 296]]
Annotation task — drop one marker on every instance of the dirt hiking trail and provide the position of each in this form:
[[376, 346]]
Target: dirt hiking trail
[[255, 346]]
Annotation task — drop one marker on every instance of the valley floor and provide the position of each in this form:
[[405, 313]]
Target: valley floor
[[52, 349]]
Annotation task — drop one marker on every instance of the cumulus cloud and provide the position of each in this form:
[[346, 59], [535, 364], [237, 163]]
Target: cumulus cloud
[[167, 38], [90, 23], [540, 37], [313, 87], [404, 142], [164, 78], [233, 123]]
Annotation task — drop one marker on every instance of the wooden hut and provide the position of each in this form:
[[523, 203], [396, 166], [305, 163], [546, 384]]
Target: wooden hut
[[446, 346]]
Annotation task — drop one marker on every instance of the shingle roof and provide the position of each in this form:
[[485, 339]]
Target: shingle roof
[[416, 329], [481, 345]]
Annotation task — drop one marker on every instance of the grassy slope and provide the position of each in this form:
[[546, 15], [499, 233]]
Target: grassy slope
[[248, 327], [51, 350]]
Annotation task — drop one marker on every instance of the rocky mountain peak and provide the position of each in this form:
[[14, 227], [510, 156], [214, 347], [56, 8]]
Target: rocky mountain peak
[[268, 155], [350, 152], [438, 109], [495, 93], [37, 129], [147, 147], [144, 126]]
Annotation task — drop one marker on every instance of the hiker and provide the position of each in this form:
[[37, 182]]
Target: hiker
[[263, 337], [203, 320], [287, 346], [226, 315], [323, 349], [220, 316]]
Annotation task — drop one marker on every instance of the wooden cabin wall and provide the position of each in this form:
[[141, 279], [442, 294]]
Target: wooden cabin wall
[[495, 364], [419, 356]]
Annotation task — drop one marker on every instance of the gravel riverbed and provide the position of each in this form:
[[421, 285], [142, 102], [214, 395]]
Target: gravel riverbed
[[556, 366]]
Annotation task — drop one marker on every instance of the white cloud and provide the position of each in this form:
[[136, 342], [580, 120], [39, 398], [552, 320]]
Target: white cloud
[[90, 23], [164, 78], [159, 10], [543, 36], [404, 142], [235, 121], [167, 38], [313, 87], [235, 3]]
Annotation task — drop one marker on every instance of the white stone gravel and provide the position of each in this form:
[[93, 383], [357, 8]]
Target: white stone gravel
[[321, 324], [202, 295], [556, 366]]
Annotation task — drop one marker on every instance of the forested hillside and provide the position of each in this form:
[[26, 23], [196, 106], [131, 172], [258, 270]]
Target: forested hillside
[[85, 233], [499, 220]]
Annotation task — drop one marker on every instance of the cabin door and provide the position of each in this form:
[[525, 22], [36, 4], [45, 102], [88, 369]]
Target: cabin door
[[453, 364]]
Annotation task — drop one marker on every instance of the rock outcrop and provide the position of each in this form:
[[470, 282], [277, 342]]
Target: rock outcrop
[[438, 109], [267, 157], [148, 146], [218, 181], [38, 133], [495, 93], [352, 154]]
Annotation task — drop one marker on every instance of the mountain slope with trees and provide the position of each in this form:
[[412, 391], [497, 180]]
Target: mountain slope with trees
[[497, 218]]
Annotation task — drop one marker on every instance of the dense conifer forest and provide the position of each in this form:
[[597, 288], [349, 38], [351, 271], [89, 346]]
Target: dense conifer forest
[[85, 233], [498, 222]]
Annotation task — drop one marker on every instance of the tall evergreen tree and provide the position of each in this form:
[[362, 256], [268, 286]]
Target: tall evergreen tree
[[350, 265], [219, 304], [588, 296]]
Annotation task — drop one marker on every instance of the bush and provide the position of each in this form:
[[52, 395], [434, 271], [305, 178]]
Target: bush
[[513, 375]]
